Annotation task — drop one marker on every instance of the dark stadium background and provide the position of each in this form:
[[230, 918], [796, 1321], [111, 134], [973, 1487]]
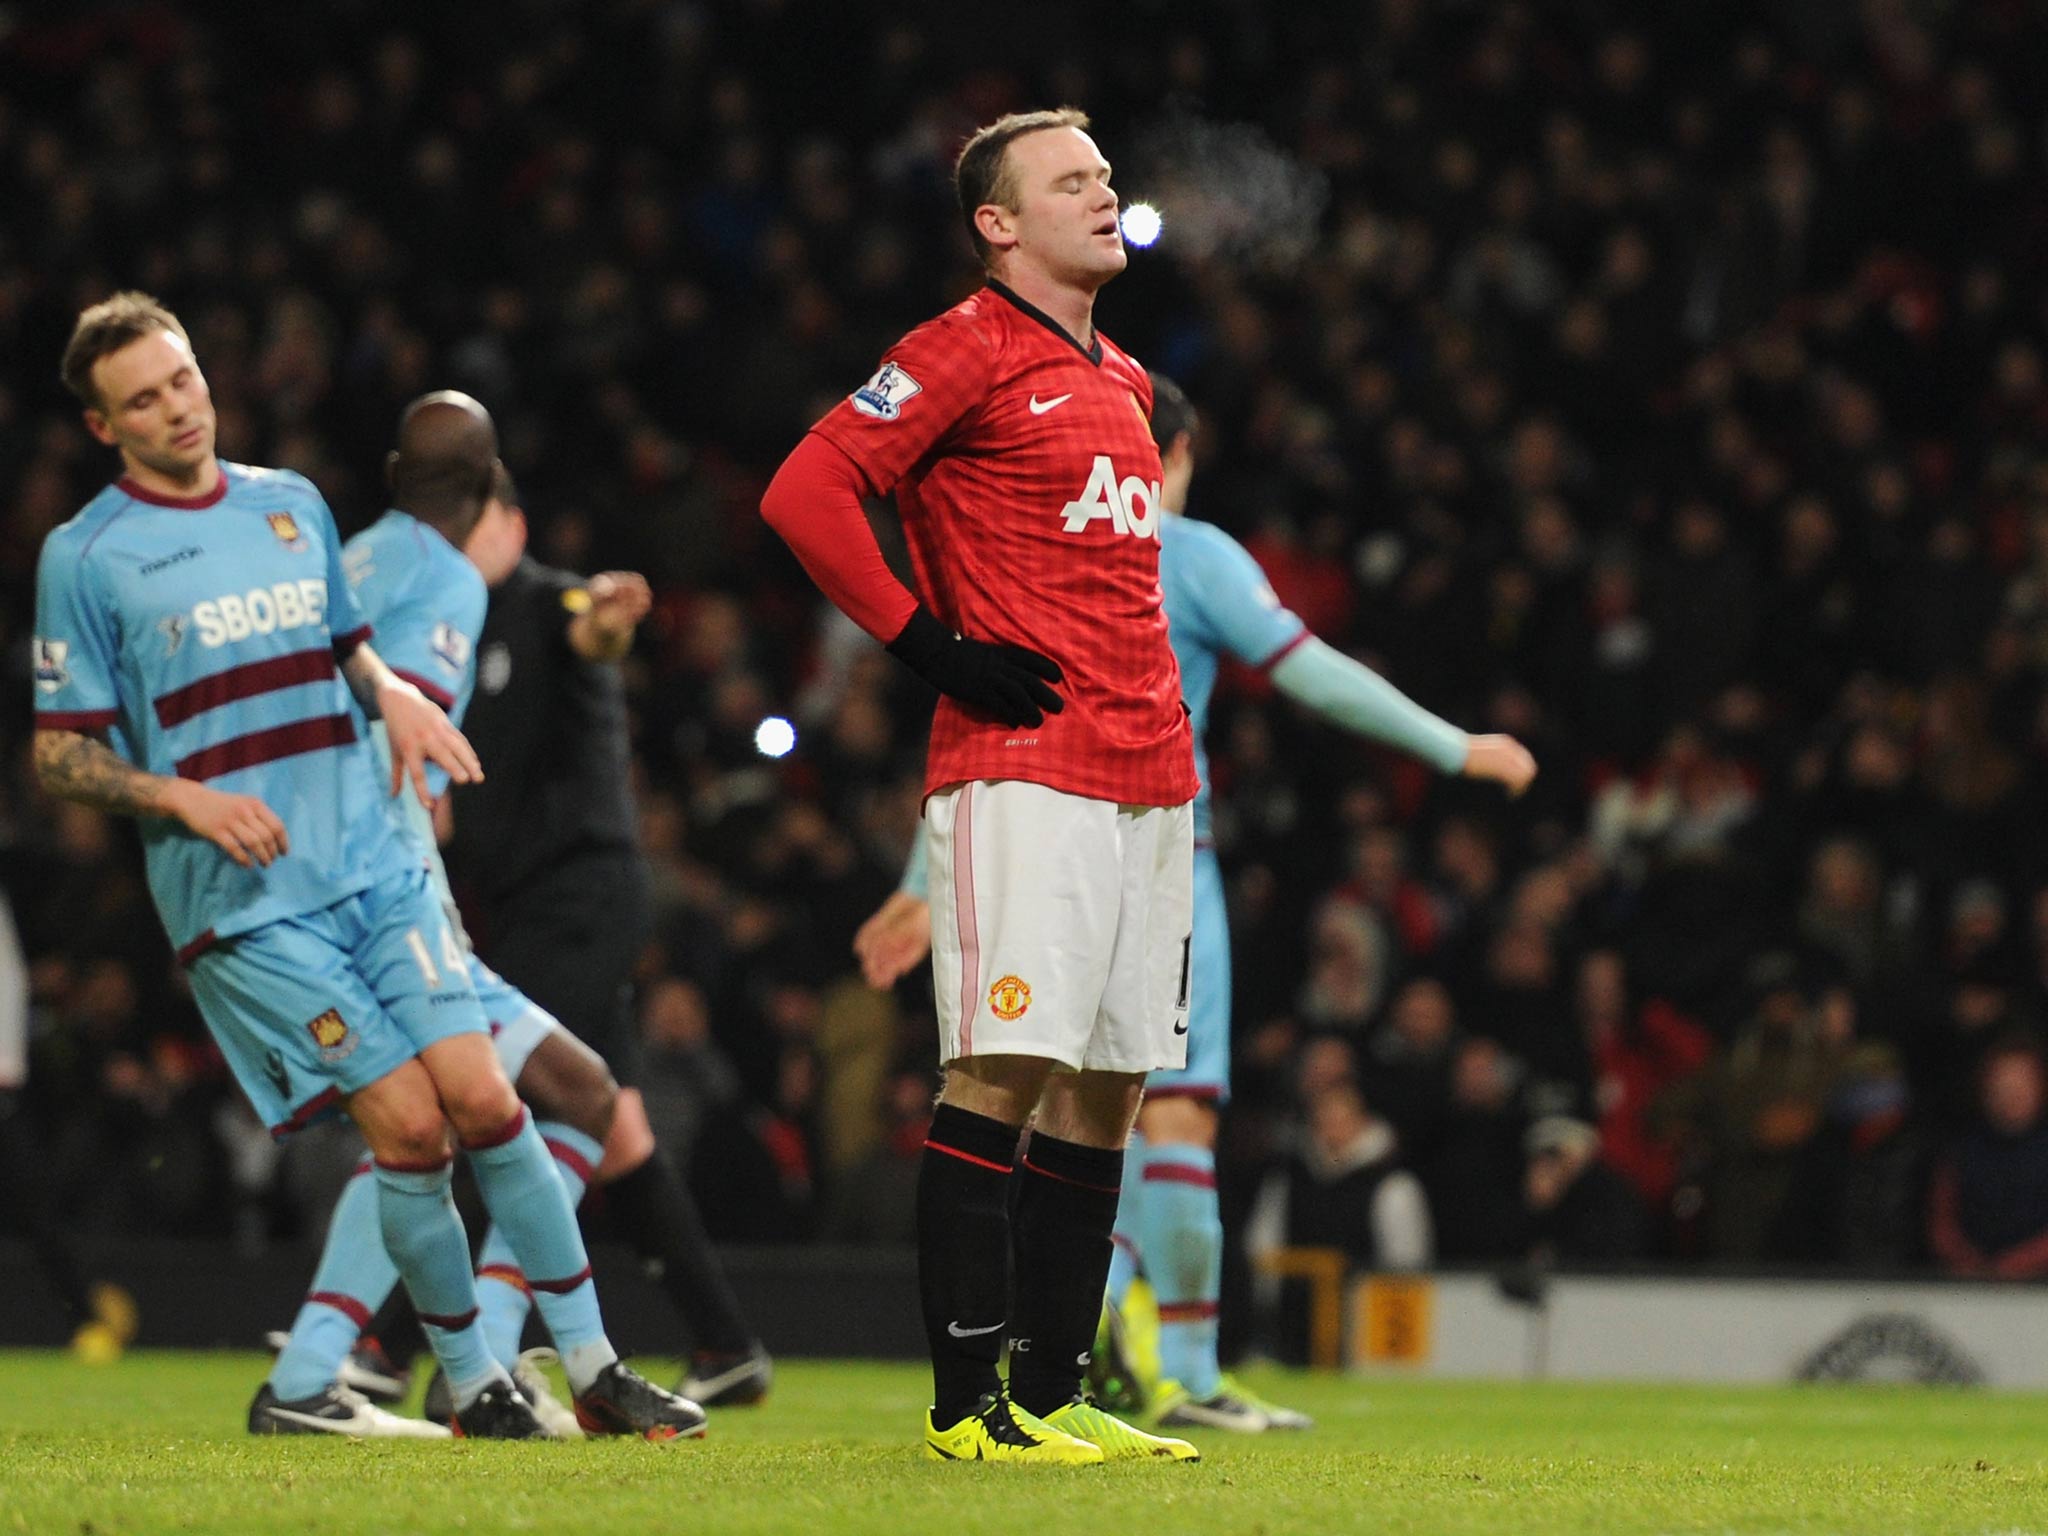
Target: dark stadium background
[[1663, 384]]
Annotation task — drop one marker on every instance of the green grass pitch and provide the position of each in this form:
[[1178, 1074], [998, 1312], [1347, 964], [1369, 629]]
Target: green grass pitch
[[154, 1443]]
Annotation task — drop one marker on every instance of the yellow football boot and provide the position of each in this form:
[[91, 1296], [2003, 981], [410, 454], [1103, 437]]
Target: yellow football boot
[[998, 1430], [1118, 1441]]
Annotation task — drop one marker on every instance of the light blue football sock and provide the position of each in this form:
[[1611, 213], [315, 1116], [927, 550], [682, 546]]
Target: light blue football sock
[[501, 1288], [1180, 1232], [424, 1236], [529, 1203], [354, 1277], [1126, 1259]]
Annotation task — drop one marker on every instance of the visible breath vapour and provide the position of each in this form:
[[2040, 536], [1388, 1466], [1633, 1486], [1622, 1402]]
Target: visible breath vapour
[[1226, 190]]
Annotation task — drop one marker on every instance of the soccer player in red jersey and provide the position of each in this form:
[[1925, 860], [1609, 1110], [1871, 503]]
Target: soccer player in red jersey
[[1016, 439]]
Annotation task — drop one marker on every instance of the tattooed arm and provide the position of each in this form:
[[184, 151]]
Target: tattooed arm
[[74, 766]]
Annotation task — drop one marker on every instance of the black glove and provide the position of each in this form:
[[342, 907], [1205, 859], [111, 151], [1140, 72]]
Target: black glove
[[1005, 681]]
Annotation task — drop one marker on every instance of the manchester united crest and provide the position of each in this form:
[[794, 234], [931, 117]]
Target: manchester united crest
[[332, 1035], [1008, 998]]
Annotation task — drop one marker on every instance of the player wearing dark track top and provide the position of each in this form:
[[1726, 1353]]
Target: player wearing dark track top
[[549, 852]]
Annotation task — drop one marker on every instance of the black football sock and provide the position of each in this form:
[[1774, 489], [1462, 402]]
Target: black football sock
[[1065, 1208], [652, 1208], [963, 1254], [396, 1330]]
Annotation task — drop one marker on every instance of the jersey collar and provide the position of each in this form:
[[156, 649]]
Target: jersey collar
[[132, 490], [1093, 352]]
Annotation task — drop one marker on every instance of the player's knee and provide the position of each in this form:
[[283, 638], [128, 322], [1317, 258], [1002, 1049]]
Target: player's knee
[[1005, 1088], [567, 1081], [412, 1136], [480, 1104], [1177, 1120]]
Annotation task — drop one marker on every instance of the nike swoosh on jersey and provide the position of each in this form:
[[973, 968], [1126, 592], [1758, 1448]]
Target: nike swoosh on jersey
[[1180, 1029], [1040, 407], [967, 1333]]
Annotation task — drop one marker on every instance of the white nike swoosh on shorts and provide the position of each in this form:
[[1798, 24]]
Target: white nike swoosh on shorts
[[967, 1333]]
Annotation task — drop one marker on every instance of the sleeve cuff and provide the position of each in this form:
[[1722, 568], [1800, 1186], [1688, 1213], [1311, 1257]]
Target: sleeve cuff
[[431, 689], [346, 645], [75, 719], [1285, 651]]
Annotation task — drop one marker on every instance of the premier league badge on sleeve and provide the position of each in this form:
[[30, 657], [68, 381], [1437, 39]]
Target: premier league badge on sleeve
[[52, 671], [882, 396], [451, 645]]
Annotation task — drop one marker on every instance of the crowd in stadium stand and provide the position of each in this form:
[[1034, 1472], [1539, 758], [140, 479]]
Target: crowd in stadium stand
[[1664, 385]]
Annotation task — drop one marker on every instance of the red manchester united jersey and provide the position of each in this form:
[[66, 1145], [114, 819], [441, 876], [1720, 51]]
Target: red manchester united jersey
[[1028, 483]]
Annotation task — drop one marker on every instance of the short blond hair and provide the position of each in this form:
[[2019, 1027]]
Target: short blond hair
[[982, 173], [105, 329]]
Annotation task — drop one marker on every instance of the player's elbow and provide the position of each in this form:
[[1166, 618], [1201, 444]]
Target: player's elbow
[[781, 505]]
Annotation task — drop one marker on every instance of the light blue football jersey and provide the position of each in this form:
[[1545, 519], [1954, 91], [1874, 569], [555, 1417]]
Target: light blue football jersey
[[204, 636], [1218, 603], [427, 603]]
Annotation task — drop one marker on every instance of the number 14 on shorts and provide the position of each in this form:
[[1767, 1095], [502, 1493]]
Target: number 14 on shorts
[[451, 956]]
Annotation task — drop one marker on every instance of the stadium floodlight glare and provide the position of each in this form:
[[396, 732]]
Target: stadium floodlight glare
[[1141, 224], [774, 737]]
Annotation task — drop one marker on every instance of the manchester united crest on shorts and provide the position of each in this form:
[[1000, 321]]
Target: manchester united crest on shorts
[[286, 527], [331, 1033], [1009, 998]]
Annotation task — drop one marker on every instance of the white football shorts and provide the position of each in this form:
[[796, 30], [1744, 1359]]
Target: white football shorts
[[1060, 926]]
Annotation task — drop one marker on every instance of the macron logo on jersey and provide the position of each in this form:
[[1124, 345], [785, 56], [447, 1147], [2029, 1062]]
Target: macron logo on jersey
[[882, 396], [261, 611], [1130, 504]]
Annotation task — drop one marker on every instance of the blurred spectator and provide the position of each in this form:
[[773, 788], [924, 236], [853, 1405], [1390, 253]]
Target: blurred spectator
[[1640, 1049], [1988, 1209], [1580, 1211], [1475, 1175], [1344, 1186], [1753, 1113], [688, 1080], [1406, 1065], [1858, 1195]]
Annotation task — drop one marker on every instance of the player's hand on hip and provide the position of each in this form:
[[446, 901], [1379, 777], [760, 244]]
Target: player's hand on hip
[[421, 734], [1500, 758], [240, 826], [1007, 681], [894, 940]]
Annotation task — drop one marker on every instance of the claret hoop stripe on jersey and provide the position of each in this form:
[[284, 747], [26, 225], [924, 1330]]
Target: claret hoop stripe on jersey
[[268, 746], [963, 903], [244, 682]]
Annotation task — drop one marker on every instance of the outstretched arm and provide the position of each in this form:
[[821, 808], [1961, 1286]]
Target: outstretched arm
[[1350, 694]]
